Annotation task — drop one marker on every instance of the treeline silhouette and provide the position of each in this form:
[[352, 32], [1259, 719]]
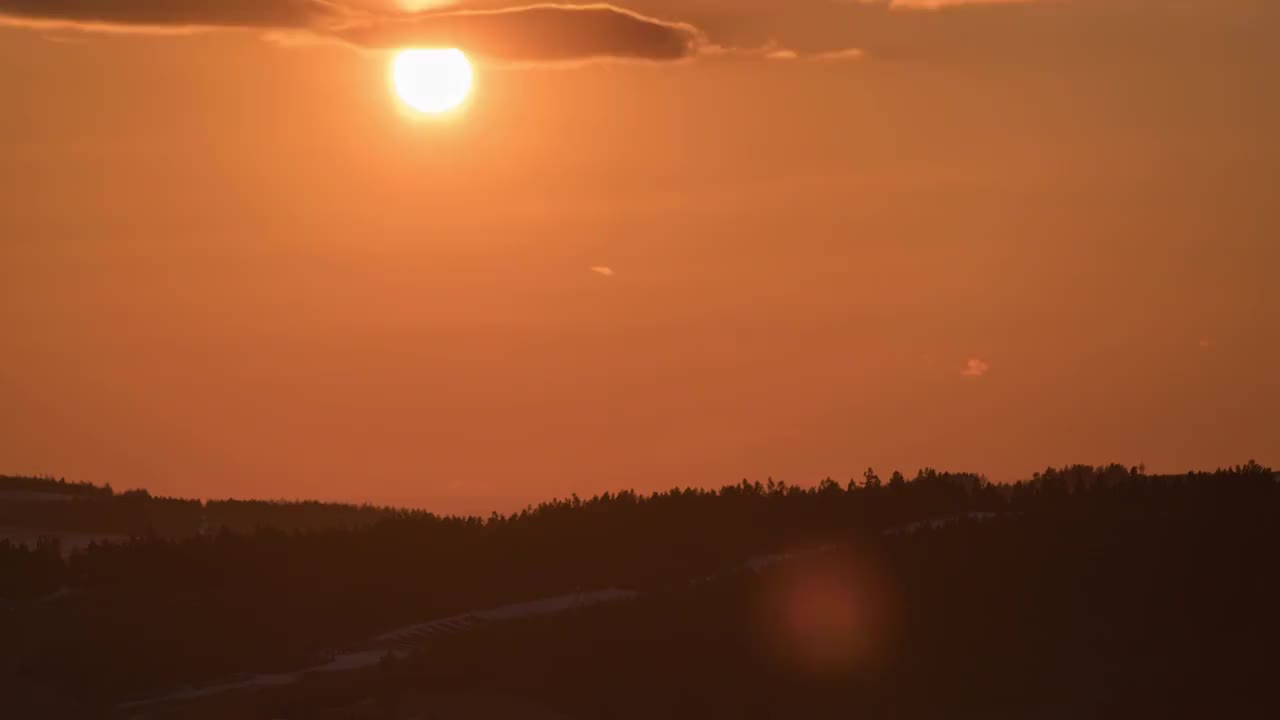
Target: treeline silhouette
[[50, 485], [98, 509], [121, 620], [1152, 598]]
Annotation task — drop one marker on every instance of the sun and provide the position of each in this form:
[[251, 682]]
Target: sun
[[431, 81]]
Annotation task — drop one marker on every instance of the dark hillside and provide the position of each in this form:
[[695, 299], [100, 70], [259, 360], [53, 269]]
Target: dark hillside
[[1082, 591]]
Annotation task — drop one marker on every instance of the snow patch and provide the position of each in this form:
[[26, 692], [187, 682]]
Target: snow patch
[[939, 523]]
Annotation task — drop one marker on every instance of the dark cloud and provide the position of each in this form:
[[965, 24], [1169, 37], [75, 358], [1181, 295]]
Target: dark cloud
[[165, 13], [527, 33], [535, 32], [1013, 33]]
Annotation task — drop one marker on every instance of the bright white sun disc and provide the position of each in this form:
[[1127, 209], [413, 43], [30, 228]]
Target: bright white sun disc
[[431, 81]]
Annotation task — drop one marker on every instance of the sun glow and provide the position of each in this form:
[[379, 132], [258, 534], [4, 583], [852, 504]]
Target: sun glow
[[431, 81]]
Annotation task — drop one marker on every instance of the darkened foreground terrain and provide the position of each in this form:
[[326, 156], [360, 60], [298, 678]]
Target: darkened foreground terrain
[[1086, 592]]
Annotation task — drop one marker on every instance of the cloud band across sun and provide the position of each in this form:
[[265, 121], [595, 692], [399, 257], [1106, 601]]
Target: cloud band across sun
[[525, 33], [536, 32]]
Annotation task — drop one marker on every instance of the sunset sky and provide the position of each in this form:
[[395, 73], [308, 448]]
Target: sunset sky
[[671, 242]]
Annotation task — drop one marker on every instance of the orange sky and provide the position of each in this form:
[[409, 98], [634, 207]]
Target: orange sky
[[1000, 237]]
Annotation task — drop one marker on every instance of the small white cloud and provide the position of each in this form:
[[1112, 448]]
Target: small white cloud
[[603, 270], [1206, 343], [942, 4], [975, 368], [839, 55], [772, 50], [64, 39]]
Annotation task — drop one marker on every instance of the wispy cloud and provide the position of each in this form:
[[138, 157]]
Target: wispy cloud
[[975, 368], [603, 270]]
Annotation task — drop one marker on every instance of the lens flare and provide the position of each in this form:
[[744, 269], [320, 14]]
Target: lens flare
[[826, 612]]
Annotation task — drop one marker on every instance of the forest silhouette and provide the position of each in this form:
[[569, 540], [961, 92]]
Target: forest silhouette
[[1085, 591]]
